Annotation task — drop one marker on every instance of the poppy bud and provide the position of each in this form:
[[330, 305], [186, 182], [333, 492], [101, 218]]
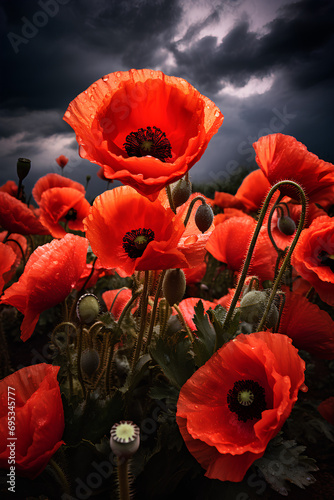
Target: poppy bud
[[252, 306], [204, 217], [286, 225], [22, 167], [89, 361], [174, 285], [124, 439], [88, 308], [181, 192]]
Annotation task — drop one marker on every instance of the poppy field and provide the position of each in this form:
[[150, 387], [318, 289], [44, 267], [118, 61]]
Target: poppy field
[[157, 341]]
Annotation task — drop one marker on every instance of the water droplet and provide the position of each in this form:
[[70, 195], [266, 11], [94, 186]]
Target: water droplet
[[82, 151], [118, 74], [217, 114], [55, 262], [105, 78], [68, 114], [92, 98]]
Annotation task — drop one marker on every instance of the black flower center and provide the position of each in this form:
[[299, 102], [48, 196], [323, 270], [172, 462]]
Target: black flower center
[[247, 399], [326, 260], [71, 214], [148, 141], [135, 241]]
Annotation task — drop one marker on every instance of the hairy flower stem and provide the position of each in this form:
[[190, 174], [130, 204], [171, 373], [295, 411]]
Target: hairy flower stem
[[154, 309], [78, 362], [191, 206], [127, 306], [89, 276], [60, 475], [143, 315], [123, 478], [286, 260], [272, 211], [254, 239], [183, 322]]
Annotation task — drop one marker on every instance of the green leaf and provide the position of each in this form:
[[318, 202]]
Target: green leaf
[[223, 334], [174, 357], [283, 463], [205, 331]]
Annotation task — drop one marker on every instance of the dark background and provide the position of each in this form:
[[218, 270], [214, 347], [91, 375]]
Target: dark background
[[267, 64]]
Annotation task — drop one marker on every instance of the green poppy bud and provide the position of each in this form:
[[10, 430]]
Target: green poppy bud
[[174, 285], [252, 306], [88, 308], [204, 217], [286, 225], [181, 192], [22, 167], [124, 439], [89, 361]]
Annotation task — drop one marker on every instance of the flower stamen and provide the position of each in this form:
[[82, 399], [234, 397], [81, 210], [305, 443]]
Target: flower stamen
[[71, 214], [247, 399], [135, 241], [148, 142]]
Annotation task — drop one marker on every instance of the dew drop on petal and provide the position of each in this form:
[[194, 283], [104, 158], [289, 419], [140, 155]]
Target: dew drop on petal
[[67, 114], [217, 114], [118, 74], [105, 78], [82, 151], [303, 388]]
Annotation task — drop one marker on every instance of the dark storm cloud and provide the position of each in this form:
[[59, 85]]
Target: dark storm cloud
[[301, 40]]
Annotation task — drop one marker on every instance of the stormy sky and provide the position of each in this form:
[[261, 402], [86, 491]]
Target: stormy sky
[[267, 64]]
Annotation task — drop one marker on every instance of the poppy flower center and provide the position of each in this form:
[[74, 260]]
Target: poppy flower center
[[247, 399], [71, 214], [135, 241], [148, 141], [326, 260]]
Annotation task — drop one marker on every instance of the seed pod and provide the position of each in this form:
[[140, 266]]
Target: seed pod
[[174, 285], [286, 225], [88, 308], [204, 217], [89, 361], [252, 306], [22, 167], [124, 439], [181, 192]]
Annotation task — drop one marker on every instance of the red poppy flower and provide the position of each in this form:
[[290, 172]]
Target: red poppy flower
[[144, 128], [282, 157], [39, 418], [49, 276], [326, 409], [50, 181], [237, 402], [313, 257], [227, 200], [253, 190], [63, 205], [116, 300], [9, 187], [227, 214], [229, 243], [309, 327], [62, 161], [128, 232], [195, 274], [16, 217], [7, 260]]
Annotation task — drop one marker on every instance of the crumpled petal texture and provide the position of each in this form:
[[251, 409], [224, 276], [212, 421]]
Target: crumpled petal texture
[[39, 418], [222, 444]]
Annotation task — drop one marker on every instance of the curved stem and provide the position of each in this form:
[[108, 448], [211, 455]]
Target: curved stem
[[154, 309], [128, 306], [191, 206], [252, 246], [275, 206], [20, 247], [288, 255], [183, 321], [89, 276]]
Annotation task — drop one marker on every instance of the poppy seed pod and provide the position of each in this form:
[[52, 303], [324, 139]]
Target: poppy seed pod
[[286, 225], [22, 167], [252, 306], [88, 308], [124, 439], [174, 285], [204, 217], [181, 192], [89, 361]]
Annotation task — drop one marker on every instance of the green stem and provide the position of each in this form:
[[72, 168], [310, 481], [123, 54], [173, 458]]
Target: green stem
[[154, 309], [89, 276], [191, 206], [127, 306], [61, 476], [123, 478], [78, 363], [252, 246], [269, 223], [144, 302], [286, 260], [183, 321]]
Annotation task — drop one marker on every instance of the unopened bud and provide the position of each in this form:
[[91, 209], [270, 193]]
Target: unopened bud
[[124, 439], [22, 167], [174, 285], [88, 308], [204, 217], [286, 225], [181, 192], [252, 306], [89, 361]]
